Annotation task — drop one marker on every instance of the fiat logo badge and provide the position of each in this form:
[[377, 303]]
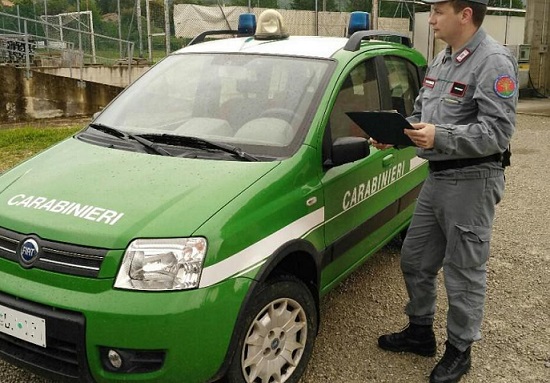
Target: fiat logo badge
[[28, 252]]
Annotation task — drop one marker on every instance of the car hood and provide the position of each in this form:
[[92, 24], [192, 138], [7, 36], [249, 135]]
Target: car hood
[[90, 195]]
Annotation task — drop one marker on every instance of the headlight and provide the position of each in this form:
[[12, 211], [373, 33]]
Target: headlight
[[162, 264]]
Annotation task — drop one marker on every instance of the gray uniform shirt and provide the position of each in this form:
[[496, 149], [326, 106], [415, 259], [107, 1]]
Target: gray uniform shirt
[[470, 96]]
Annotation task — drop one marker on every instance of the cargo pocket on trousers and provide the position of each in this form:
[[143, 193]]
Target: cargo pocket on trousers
[[470, 245]]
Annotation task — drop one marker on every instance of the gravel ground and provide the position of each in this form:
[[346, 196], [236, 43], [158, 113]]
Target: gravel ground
[[516, 330]]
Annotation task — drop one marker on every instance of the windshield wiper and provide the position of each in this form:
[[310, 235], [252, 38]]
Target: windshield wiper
[[201, 143], [126, 136]]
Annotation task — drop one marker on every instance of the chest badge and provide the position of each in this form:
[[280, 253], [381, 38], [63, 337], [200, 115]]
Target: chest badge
[[458, 89], [429, 82]]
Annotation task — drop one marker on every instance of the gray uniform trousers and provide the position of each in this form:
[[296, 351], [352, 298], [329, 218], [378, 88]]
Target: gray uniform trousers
[[451, 228]]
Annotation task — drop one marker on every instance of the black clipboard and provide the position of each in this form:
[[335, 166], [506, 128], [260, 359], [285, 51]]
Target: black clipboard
[[385, 126]]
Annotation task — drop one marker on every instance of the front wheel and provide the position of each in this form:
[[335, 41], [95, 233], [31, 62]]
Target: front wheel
[[281, 325]]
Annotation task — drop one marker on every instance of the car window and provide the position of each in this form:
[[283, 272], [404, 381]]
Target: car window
[[359, 92], [403, 81]]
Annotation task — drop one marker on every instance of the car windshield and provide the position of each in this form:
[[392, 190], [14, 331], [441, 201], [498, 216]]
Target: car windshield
[[258, 103]]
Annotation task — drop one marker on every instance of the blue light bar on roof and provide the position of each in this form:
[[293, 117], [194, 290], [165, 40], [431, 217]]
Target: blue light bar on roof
[[358, 21], [247, 23]]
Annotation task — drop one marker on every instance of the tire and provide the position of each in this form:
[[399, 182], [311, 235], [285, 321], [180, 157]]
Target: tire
[[280, 327]]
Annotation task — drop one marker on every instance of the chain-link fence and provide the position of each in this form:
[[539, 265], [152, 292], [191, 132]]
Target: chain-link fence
[[62, 44], [35, 32], [109, 31]]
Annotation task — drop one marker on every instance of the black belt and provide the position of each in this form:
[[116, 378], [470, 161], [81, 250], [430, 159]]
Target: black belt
[[436, 166]]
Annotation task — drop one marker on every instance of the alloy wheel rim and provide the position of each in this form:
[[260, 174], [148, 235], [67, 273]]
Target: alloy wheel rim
[[275, 342]]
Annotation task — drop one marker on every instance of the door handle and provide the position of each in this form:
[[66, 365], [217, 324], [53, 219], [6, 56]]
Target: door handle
[[388, 160]]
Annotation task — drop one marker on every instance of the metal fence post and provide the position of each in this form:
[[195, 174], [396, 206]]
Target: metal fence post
[[18, 20], [61, 28], [92, 37], [46, 26], [140, 32], [316, 18], [149, 37], [119, 29], [130, 59], [79, 30], [167, 26], [27, 53]]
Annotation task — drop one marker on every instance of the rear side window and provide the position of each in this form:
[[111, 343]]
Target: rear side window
[[403, 82]]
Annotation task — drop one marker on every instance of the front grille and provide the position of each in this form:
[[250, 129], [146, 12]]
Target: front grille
[[63, 358], [55, 256]]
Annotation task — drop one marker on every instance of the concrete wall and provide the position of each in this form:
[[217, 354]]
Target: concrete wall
[[46, 96], [112, 75]]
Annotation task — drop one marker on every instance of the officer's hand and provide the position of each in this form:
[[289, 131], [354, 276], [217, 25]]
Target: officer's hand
[[379, 145], [423, 135]]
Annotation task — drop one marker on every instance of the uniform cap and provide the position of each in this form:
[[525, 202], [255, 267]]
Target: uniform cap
[[484, 2]]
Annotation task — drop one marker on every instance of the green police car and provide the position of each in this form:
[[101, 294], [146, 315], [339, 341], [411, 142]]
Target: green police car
[[189, 231]]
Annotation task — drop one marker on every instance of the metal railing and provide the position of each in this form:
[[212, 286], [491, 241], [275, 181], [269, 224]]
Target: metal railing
[[23, 43]]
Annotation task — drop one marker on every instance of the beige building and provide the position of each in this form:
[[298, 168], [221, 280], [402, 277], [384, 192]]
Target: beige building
[[537, 34]]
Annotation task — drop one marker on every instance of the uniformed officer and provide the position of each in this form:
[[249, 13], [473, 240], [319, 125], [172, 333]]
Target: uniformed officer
[[464, 118]]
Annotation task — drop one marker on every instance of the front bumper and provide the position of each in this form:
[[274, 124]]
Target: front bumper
[[191, 329]]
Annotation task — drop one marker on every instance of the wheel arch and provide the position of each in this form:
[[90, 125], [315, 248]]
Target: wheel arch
[[298, 258]]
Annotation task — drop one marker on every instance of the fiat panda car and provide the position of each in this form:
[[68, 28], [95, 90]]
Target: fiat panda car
[[189, 231]]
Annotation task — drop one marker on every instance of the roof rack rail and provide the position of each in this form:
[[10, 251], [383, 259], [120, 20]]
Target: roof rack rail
[[200, 37], [355, 40]]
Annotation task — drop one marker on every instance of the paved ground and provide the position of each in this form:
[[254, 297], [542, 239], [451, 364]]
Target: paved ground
[[534, 106]]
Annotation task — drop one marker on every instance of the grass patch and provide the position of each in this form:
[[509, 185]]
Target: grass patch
[[19, 144]]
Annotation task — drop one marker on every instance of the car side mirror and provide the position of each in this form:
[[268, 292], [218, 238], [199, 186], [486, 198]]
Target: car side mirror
[[348, 149]]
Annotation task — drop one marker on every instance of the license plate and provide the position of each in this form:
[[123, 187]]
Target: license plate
[[23, 326]]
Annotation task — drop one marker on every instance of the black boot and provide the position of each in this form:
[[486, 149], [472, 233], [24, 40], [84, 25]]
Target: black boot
[[452, 365], [414, 338]]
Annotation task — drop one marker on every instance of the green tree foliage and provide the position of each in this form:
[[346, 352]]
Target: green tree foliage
[[386, 8], [26, 8], [359, 5], [196, 2], [256, 3], [516, 4], [331, 5], [33, 9], [110, 6]]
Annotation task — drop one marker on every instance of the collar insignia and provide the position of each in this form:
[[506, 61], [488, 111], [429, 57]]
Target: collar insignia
[[462, 56]]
